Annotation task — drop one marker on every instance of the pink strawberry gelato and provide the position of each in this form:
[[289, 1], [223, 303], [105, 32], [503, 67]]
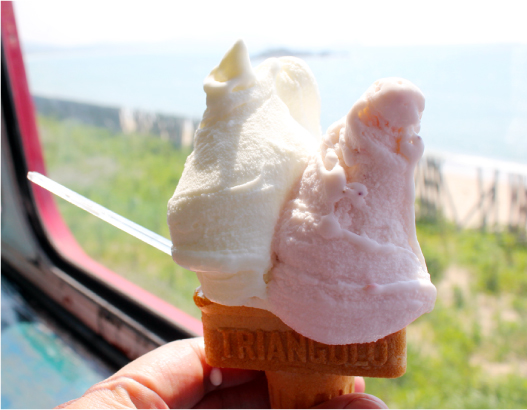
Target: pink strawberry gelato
[[348, 267]]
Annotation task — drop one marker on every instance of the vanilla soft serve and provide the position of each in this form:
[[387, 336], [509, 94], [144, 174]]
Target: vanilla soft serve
[[252, 146]]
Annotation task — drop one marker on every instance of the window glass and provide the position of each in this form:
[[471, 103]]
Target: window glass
[[118, 91], [47, 363]]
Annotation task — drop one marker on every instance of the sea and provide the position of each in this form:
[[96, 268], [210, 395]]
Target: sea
[[476, 95]]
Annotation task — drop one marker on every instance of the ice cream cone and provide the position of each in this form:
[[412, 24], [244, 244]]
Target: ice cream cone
[[320, 230], [301, 391], [301, 372]]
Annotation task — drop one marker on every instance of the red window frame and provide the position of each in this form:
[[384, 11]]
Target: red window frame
[[56, 229]]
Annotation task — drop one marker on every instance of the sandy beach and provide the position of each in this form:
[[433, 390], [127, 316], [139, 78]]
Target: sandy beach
[[475, 191]]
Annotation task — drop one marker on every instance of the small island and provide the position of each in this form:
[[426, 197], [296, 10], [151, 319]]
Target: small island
[[283, 51]]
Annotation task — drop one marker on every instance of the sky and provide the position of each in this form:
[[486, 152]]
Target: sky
[[320, 25]]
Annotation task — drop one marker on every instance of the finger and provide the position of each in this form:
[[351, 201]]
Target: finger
[[353, 401], [176, 372], [251, 395], [360, 384], [257, 394]]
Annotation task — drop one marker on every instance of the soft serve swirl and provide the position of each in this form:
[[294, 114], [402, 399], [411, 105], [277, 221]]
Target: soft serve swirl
[[324, 238], [252, 146]]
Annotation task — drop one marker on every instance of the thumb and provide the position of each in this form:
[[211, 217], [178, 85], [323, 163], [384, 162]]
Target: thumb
[[353, 401]]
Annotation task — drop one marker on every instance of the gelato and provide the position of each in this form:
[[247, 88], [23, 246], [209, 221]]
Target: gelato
[[319, 230], [348, 266], [253, 144]]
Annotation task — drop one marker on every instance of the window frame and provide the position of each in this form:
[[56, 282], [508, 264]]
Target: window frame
[[126, 316]]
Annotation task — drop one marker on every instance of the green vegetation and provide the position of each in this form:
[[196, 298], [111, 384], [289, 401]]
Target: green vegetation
[[470, 352], [133, 175]]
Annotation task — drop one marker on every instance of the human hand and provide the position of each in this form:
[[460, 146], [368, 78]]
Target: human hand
[[176, 375]]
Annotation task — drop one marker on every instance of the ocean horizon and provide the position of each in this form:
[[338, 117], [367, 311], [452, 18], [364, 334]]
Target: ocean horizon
[[476, 96]]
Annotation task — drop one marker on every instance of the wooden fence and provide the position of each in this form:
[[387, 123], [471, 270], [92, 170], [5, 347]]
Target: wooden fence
[[474, 200]]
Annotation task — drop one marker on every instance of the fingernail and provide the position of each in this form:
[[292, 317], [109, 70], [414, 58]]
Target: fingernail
[[363, 402], [353, 401]]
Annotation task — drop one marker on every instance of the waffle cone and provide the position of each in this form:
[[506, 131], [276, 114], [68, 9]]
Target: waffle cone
[[301, 390], [300, 371]]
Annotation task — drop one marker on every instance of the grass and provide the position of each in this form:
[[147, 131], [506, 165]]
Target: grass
[[470, 352], [133, 175]]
